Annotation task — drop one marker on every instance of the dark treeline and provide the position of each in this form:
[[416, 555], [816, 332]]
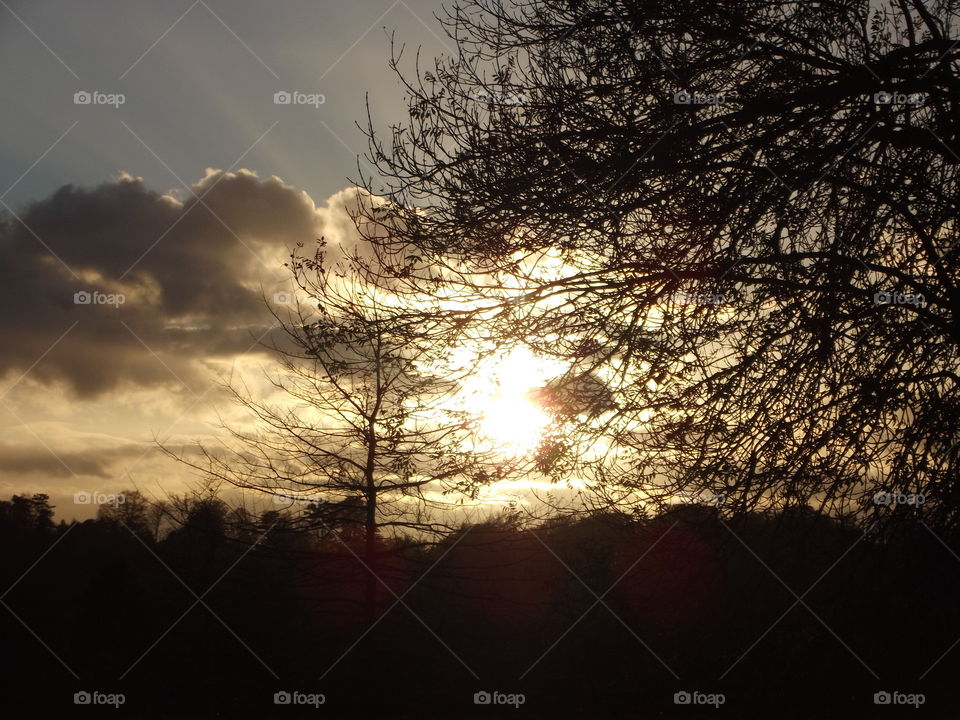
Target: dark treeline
[[489, 608]]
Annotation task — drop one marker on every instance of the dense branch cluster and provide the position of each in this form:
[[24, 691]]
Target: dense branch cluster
[[750, 212]]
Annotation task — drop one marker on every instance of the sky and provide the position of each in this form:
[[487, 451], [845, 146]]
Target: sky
[[152, 183]]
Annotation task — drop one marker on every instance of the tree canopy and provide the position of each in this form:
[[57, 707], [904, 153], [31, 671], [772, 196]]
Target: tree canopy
[[740, 216]]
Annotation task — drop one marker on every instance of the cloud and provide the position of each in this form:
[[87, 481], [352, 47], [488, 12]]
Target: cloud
[[191, 275], [35, 460]]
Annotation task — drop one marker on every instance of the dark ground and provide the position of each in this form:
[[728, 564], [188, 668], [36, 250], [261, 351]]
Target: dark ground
[[687, 602]]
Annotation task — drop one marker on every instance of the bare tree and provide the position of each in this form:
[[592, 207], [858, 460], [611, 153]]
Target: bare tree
[[363, 439], [751, 206]]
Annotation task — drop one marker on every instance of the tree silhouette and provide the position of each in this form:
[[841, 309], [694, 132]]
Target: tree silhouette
[[740, 216], [365, 444], [136, 512], [22, 513]]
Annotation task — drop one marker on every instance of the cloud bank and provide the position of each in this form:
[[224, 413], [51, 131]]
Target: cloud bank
[[119, 284]]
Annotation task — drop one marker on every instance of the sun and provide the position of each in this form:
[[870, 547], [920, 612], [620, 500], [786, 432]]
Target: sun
[[501, 394], [514, 425]]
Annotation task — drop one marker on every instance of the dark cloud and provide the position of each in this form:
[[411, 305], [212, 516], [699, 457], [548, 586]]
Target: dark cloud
[[96, 462], [191, 274]]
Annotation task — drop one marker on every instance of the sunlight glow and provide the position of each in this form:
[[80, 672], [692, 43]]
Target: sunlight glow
[[501, 393], [513, 423]]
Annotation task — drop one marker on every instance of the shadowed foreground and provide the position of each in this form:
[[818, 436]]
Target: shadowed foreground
[[774, 616]]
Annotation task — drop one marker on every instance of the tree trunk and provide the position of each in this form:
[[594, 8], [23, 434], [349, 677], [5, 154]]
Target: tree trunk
[[370, 558]]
